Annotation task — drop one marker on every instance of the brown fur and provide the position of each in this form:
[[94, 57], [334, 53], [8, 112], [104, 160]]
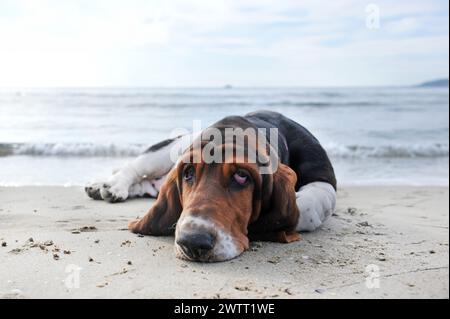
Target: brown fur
[[265, 209], [163, 215]]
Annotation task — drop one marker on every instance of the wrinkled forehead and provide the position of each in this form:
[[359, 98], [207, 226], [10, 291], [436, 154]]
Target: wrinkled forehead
[[230, 145], [248, 138], [229, 153]]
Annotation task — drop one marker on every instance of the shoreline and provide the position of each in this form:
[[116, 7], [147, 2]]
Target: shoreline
[[401, 232]]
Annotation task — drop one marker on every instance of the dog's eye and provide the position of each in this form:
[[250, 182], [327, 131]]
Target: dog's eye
[[241, 177], [188, 173]]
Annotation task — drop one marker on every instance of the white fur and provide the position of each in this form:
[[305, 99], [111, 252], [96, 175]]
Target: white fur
[[132, 179], [146, 187], [224, 248], [316, 202], [148, 165]]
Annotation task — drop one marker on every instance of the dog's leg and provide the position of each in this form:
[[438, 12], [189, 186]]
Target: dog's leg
[[152, 164], [316, 202], [146, 188]]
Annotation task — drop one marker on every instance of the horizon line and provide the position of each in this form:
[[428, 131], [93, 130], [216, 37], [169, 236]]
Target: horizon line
[[224, 87]]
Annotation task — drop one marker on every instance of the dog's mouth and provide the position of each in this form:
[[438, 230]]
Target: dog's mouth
[[198, 239], [218, 253], [183, 253]]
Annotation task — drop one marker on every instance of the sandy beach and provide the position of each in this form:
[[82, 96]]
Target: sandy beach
[[382, 242]]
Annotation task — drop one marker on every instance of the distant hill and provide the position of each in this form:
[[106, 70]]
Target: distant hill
[[435, 83]]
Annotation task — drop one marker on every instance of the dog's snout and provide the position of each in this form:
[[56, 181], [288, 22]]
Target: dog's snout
[[196, 245]]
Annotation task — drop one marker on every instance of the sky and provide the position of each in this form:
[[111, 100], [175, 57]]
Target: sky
[[209, 43]]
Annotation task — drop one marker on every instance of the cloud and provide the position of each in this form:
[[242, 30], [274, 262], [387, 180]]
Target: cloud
[[203, 42]]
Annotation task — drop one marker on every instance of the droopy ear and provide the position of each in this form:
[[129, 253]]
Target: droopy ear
[[163, 215], [279, 217]]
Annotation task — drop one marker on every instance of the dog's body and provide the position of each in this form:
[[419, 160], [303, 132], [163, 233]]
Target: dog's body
[[231, 201]]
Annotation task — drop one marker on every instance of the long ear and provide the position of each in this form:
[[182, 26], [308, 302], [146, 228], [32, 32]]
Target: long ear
[[277, 221], [162, 217]]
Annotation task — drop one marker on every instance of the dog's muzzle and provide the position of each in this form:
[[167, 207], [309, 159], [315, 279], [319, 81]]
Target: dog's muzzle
[[196, 245]]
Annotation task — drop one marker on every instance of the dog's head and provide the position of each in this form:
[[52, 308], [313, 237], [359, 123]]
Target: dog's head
[[218, 206]]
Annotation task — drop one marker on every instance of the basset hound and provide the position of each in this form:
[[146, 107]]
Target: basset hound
[[218, 191]]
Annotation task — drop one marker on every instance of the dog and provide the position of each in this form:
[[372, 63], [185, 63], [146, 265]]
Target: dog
[[216, 192]]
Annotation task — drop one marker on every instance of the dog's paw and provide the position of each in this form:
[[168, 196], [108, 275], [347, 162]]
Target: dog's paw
[[113, 194], [93, 190]]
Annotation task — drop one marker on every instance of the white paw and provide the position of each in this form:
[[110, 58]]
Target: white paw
[[114, 193], [93, 190], [316, 202], [310, 215]]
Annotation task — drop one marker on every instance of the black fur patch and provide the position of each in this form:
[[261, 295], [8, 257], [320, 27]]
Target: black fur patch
[[160, 145]]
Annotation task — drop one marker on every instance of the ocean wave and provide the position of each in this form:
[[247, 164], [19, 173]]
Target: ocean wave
[[322, 104], [388, 151], [130, 150], [248, 103], [72, 149]]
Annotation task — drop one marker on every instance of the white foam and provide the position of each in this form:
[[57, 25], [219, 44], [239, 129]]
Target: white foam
[[387, 151], [73, 149], [435, 150]]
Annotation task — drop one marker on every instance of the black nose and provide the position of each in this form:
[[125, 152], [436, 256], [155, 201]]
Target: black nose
[[196, 245]]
